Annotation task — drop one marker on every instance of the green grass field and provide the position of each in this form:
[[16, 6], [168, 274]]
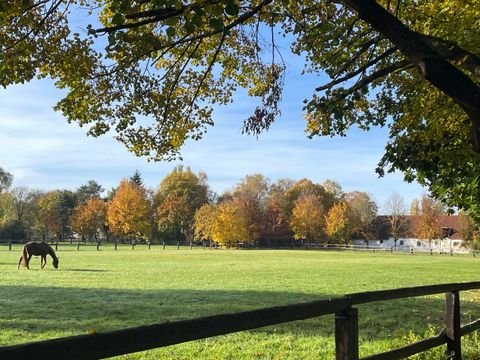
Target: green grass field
[[105, 290]]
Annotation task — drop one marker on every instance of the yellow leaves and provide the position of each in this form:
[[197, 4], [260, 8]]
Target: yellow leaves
[[204, 221], [129, 211], [90, 217], [307, 220], [230, 224], [338, 222], [173, 213], [48, 219]]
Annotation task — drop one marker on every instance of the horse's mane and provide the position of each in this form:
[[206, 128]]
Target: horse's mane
[[50, 250]]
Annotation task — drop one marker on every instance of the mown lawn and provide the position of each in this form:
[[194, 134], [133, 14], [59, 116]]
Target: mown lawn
[[104, 290]]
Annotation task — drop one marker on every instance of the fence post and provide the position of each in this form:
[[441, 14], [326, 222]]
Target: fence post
[[78, 245], [164, 245], [10, 245], [452, 320], [346, 334], [115, 244]]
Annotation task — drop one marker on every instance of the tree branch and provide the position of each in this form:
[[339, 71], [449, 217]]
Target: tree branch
[[431, 65], [451, 50], [205, 74], [402, 65], [358, 71], [36, 29], [245, 16]]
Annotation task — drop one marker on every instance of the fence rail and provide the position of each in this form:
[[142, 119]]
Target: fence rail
[[103, 245], [118, 342]]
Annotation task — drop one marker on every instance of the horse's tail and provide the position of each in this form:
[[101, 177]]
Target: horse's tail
[[23, 258]]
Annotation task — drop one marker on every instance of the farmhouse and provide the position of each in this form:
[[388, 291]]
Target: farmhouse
[[448, 237]]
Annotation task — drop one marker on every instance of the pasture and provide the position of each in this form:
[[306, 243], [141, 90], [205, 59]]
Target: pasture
[[104, 290]]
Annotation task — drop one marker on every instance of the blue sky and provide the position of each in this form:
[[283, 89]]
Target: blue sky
[[43, 151]]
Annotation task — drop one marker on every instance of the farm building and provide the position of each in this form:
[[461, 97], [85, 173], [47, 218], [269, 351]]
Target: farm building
[[448, 236]]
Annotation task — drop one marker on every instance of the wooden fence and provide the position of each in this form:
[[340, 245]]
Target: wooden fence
[[78, 245], [124, 341]]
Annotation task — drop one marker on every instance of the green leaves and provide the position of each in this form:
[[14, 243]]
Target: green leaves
[[216, 24], [117, 19], [232, 8]]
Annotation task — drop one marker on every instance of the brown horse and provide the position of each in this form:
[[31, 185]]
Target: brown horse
[[38, 249]]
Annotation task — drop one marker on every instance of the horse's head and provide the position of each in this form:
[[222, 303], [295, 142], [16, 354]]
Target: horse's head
[[55, 263]]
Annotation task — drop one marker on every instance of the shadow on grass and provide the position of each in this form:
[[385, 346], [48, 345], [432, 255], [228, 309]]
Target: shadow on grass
[[86, 270], [66, 311]]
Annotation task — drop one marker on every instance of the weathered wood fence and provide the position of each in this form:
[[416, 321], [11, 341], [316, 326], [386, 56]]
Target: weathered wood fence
[[124, 341]]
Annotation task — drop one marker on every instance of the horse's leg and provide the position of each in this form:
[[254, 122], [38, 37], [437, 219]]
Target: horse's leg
[[19, 262], [43, 261], [27, 261]]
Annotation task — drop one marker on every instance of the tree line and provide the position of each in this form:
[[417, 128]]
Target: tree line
[[256, 212]]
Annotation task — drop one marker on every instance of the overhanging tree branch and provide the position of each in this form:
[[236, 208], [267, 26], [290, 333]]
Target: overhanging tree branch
[[361, 69], [431, 65]]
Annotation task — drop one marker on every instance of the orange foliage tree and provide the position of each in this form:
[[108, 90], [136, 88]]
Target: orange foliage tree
[[230, 226], [340, 223], [174, 214], [204, 222], [308, 219], [428, 226], [89, 218], [48, 220], [129, 211]]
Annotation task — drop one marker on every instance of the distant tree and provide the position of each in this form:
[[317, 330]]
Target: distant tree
[[111, 193], [364, 211], [13, 230], [25, 205], [415, 207], [334, 190], [278, 194], [308, 219], [136, 178], [339, 223], [277, 226], [173, 215], [91, 189], [306, 187], [182, 184], [128, 213], [7, 210], [469, 231], [89, 218], [5, 180], [428, 226], [230, 227], [205, 218], [251, 194], [49, 221], [395, 211], [66, 204]]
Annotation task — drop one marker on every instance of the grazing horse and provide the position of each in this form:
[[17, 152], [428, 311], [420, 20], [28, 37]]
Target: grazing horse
[[38, 249]]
